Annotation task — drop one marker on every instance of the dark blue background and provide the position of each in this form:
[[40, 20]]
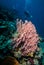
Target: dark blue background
[[35, 8]]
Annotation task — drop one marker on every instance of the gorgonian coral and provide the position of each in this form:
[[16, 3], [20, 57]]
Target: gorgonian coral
[[27, 38]]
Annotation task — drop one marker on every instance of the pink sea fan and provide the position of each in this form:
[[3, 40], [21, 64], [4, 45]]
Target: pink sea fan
[[27, 39]]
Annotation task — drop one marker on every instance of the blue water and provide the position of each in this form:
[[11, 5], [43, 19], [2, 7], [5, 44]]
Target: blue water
[[35, 8]]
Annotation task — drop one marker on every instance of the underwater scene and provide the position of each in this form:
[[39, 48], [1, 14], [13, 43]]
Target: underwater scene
[[21, 32]]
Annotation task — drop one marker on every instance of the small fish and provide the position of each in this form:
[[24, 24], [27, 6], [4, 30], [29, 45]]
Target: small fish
[[27, 14]]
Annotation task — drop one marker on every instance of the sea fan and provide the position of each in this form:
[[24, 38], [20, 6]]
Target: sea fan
[[27, 39]]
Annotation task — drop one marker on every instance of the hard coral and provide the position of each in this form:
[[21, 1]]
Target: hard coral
[[27, 39], [10, 61]]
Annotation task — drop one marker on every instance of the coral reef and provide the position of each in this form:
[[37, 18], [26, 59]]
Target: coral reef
[[27, 39], [7, 28], [7, 14], [19, 41]]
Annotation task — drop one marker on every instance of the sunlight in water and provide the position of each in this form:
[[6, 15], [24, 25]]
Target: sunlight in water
[[28, 2]]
